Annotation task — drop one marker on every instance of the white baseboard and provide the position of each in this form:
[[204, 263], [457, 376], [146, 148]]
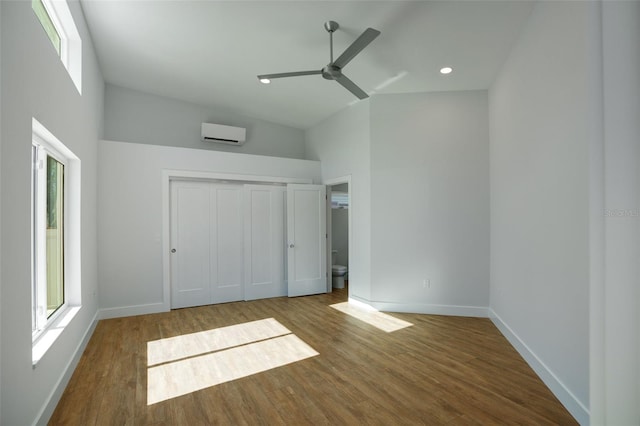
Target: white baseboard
[[55, 395], [429, 309], [129, 311], [566, 397]]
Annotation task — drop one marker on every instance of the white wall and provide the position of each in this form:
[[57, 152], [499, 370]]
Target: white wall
[[395, 146], [615, 363], [130, 213], [36, 84], [430, 202], [341, 144], [543, 121], [133, 116]]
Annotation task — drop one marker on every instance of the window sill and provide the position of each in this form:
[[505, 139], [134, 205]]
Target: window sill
[[51, 333]]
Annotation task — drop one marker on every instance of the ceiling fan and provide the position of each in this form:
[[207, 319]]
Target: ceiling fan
[[333, 70]]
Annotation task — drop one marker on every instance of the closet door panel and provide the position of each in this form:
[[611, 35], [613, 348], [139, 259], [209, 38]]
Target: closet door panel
[[190, 272], [227, 239], [264, 241]]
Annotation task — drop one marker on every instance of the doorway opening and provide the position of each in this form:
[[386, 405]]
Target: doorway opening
[[339, 233]]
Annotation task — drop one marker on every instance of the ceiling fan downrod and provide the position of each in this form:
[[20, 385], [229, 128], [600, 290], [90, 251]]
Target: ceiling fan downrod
[[331, 26]]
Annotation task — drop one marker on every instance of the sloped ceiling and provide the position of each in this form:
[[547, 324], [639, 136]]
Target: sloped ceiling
[[209, 52]]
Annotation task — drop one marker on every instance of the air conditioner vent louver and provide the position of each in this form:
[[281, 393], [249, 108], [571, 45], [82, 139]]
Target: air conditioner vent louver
[[219, 133]]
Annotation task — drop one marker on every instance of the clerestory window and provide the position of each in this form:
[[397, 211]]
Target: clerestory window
[[47, 23], [58, 24]]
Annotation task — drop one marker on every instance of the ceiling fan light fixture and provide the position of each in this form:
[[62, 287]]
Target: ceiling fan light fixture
[[446, 70], [264, 80]]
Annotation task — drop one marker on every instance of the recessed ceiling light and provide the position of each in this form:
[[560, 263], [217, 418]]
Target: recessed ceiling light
[[265, 81], [446, 70]]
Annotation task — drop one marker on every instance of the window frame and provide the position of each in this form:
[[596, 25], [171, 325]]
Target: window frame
[[42, 150], [44, 333], [54, 22], [70, 43]]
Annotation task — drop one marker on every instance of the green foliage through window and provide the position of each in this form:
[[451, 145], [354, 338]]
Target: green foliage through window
[[55, 176], [55, 235], [47, 23]]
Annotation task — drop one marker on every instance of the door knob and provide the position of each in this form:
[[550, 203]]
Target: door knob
[[173, 250], [291, 245]]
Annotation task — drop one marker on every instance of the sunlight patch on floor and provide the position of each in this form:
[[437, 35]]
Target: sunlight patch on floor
[[188, 345], [384, 322], [200, 360]]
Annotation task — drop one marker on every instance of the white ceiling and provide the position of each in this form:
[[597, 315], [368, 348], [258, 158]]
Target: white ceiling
[[209, 52]]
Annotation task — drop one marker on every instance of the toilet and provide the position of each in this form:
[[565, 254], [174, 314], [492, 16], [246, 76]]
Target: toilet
[[337, 272]]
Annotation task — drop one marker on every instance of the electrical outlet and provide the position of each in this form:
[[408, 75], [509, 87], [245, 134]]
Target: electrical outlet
[[426, 283]]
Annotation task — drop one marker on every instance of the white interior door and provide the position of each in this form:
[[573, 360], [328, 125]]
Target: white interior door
[[190, 243], [307, 239], [264, 241], [206, 243], [226, 243]]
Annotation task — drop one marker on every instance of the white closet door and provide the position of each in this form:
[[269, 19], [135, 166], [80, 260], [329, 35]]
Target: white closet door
[[190, 238], [306, 233], [226, 243], [229, 242], [264, 241]]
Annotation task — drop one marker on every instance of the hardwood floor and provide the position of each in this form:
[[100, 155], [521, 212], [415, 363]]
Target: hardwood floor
[[440, 370]]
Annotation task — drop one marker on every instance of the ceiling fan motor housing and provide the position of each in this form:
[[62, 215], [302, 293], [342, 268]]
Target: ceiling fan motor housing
[[331, 72]]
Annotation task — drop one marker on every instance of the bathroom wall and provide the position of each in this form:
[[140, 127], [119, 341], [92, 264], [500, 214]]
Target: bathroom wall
[[340, 235], [343, 187], [340, 229]]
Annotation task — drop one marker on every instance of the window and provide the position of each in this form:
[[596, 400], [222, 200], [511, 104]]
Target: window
[[45, 19], [48, 235], [58, 24], [55, 238]]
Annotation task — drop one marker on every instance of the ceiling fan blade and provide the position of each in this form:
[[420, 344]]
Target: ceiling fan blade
[[356, 47], [289, 74], [351, 86]]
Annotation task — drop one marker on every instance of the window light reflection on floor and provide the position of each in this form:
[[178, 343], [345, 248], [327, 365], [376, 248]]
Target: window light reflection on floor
[[193, 344], [183, 364], [380, 320]]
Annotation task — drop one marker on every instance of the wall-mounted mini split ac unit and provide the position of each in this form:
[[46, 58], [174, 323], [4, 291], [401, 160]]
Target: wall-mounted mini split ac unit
[[223, 134]]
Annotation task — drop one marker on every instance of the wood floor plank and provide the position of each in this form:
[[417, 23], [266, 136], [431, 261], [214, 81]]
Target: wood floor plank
[[439, 371]]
